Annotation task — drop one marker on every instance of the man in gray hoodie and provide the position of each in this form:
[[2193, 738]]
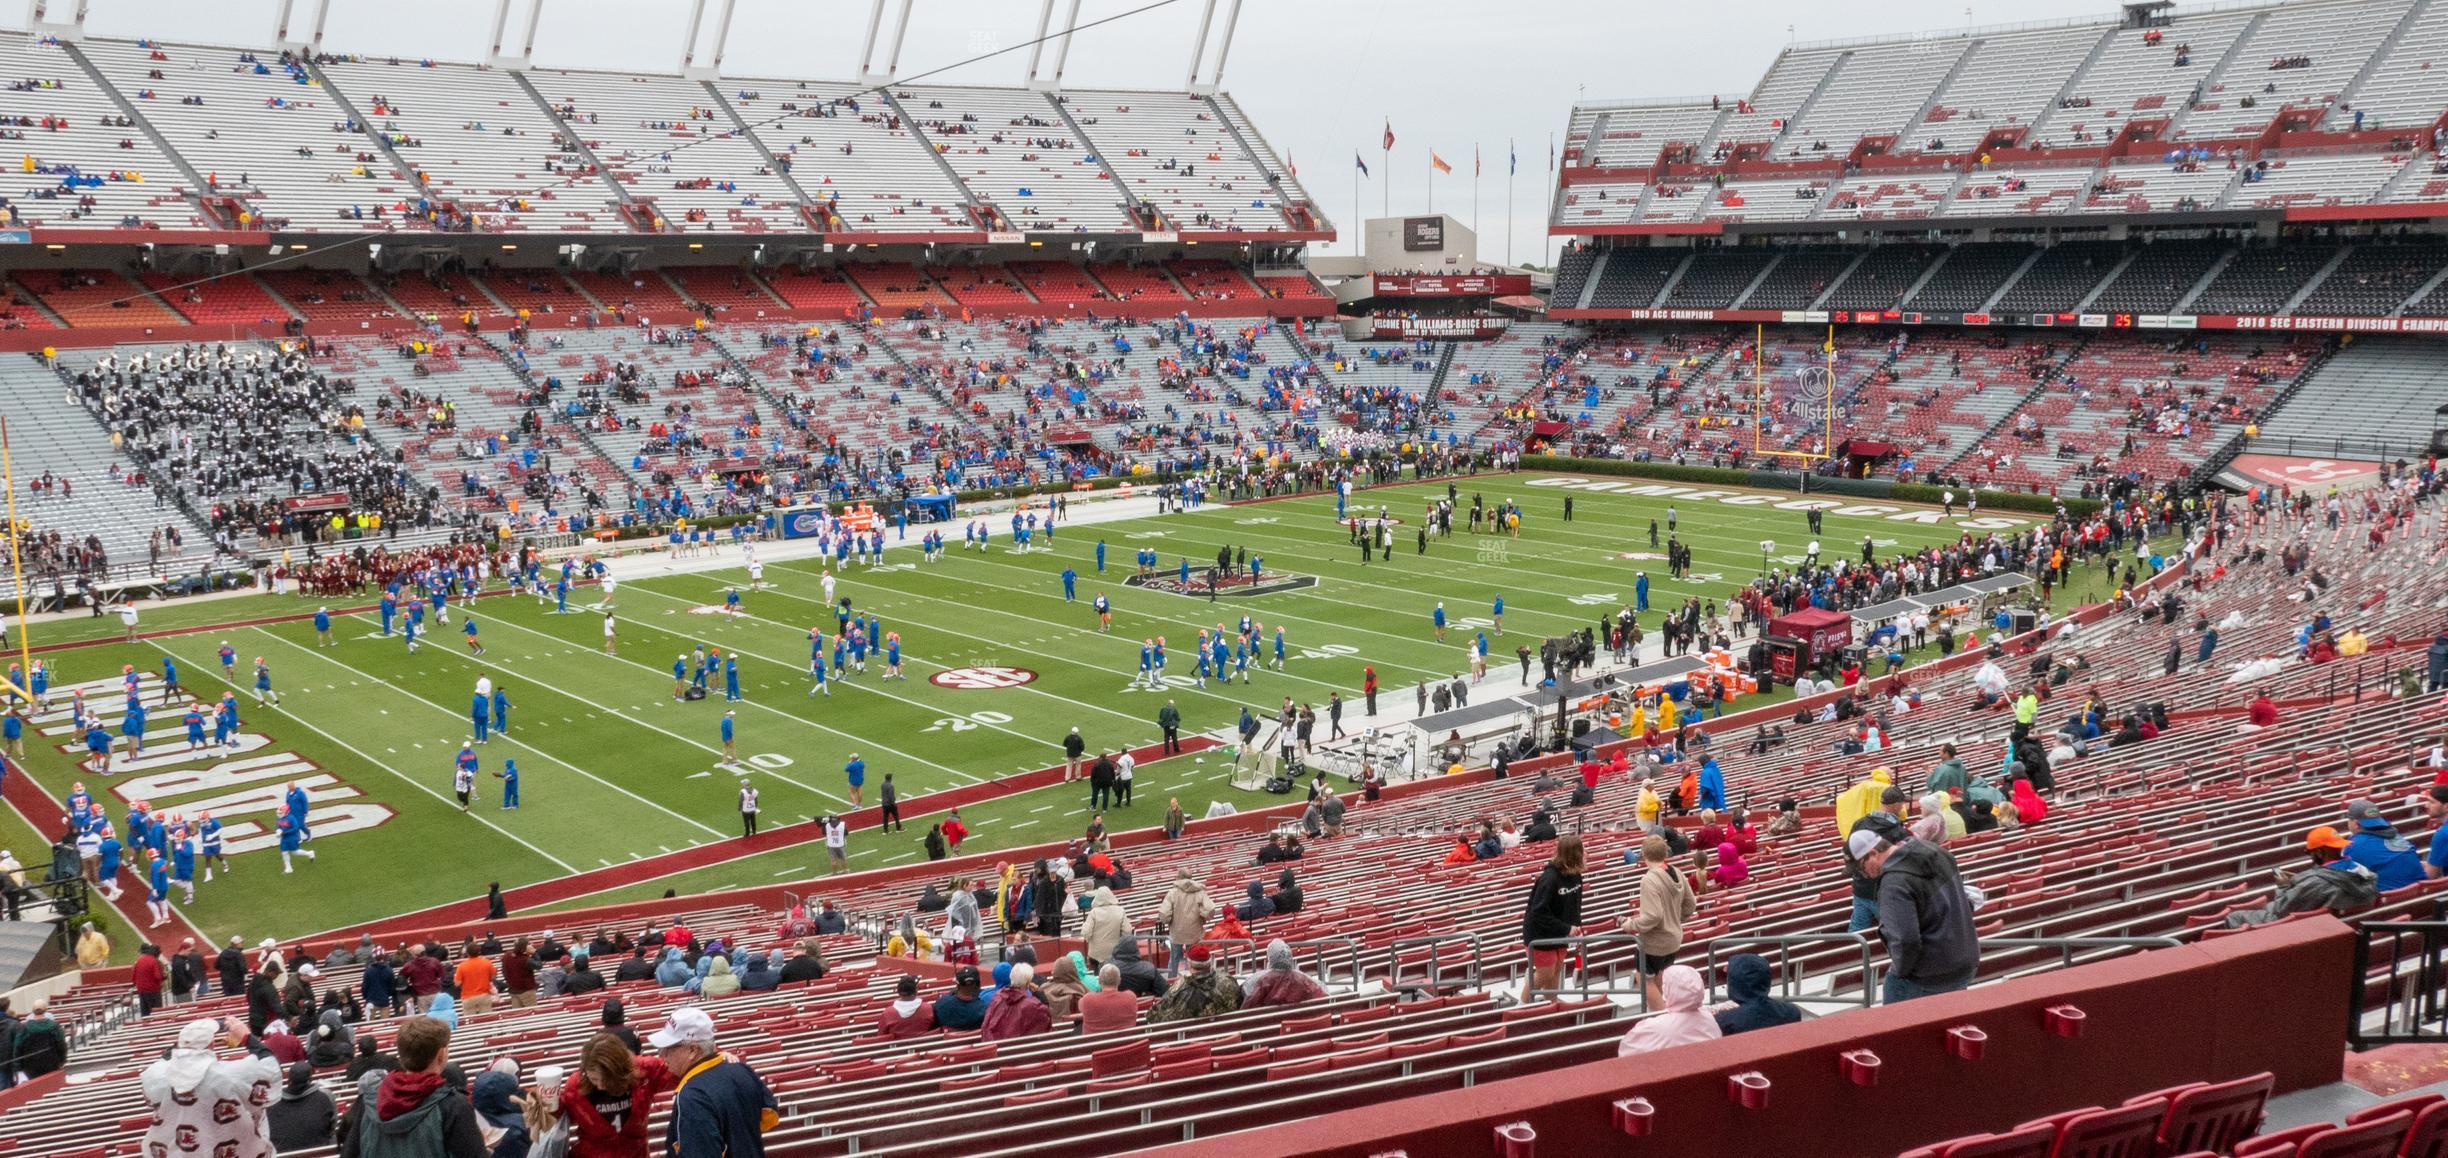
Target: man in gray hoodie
[[1923, 915]]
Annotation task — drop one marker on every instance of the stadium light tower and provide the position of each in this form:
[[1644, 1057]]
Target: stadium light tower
[[1232, 21], [722, 35], [875, 21], [501, 24], [38, 21]]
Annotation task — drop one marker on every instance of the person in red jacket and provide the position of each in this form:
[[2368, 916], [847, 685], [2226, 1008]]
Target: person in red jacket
[[610, 1097], [954, 831], [423, 973], [2264, 711], [518, 975], [907, 1016], [147, 977]]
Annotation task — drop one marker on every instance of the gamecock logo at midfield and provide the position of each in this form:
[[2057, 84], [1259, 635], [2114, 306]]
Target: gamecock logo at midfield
[[981, 679]]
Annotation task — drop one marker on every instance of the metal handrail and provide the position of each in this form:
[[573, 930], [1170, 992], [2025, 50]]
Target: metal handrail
[[1787, 978], [1476, 967], [1614, 968], [2068, 945]]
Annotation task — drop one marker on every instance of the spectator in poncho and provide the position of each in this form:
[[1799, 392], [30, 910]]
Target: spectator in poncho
[[1281, 982]]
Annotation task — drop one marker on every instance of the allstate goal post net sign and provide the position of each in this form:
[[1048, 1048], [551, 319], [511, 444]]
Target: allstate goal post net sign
[[1793, 398]]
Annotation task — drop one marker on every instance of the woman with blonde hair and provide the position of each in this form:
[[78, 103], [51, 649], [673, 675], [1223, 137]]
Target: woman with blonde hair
[[609, 1099]]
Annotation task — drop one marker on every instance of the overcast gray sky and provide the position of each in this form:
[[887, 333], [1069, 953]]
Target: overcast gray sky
[[1320, 77]]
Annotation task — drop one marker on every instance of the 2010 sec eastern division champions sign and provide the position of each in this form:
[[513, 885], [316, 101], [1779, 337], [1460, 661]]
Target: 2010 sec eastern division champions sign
[[1236, 585]]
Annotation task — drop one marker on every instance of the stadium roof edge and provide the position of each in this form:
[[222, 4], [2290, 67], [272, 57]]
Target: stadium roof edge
[[533, 69], [2216, 7]]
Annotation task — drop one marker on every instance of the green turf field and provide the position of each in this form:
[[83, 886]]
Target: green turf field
[[613, 769]]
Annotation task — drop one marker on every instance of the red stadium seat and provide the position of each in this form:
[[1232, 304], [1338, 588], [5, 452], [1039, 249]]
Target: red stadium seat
[[2214, 1116]]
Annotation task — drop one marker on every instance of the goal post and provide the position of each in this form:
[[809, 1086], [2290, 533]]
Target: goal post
[[1805, 393]]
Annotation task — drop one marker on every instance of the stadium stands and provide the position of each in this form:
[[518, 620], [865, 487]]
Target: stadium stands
[[1994, 87], [1800, 275], [93, 170], [1968, 276], [1176, 154], [481, 142], [2315, 104], [1015, 150], [1633, 277], [663, 138], [1720, 278], [1633, 136], [852, 152], [1880, 279], [2399, 88], [2371, 391], [2374, 280], [2262, 279], [212, 105], [2158, 276]]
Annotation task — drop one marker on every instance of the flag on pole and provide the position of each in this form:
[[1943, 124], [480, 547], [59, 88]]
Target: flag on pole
[[1389, 136], [1291, 164], [1363, 165], [1475, 166], [1512, 159], [1438, 163]]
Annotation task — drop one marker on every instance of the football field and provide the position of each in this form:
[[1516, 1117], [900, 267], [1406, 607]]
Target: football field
[[999, 665]]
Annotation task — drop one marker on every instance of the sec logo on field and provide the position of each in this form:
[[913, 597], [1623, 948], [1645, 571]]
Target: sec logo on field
[[980, 679]]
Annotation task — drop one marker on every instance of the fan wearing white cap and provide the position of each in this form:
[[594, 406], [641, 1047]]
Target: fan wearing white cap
[[722, 1107]]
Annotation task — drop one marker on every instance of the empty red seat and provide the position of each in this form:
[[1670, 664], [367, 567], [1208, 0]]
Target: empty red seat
[[1183, 1069], [2031, 1141], [1296, 1069], [2123, 1132], [2375, 1138], [2215, 1116], [1120, 1059], [1356, 1057]]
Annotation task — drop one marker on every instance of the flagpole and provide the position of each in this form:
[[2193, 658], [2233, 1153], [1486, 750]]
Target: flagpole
[[1510, 166], [1474, 194], [1385, 192]]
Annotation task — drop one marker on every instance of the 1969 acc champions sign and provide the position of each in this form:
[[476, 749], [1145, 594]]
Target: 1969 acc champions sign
[[981, 679]]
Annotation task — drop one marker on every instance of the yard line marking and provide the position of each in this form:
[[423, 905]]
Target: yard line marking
[[870, 743], [910, 661], [1123, 639], [413, 782], [530, 747], [1024, 824]]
